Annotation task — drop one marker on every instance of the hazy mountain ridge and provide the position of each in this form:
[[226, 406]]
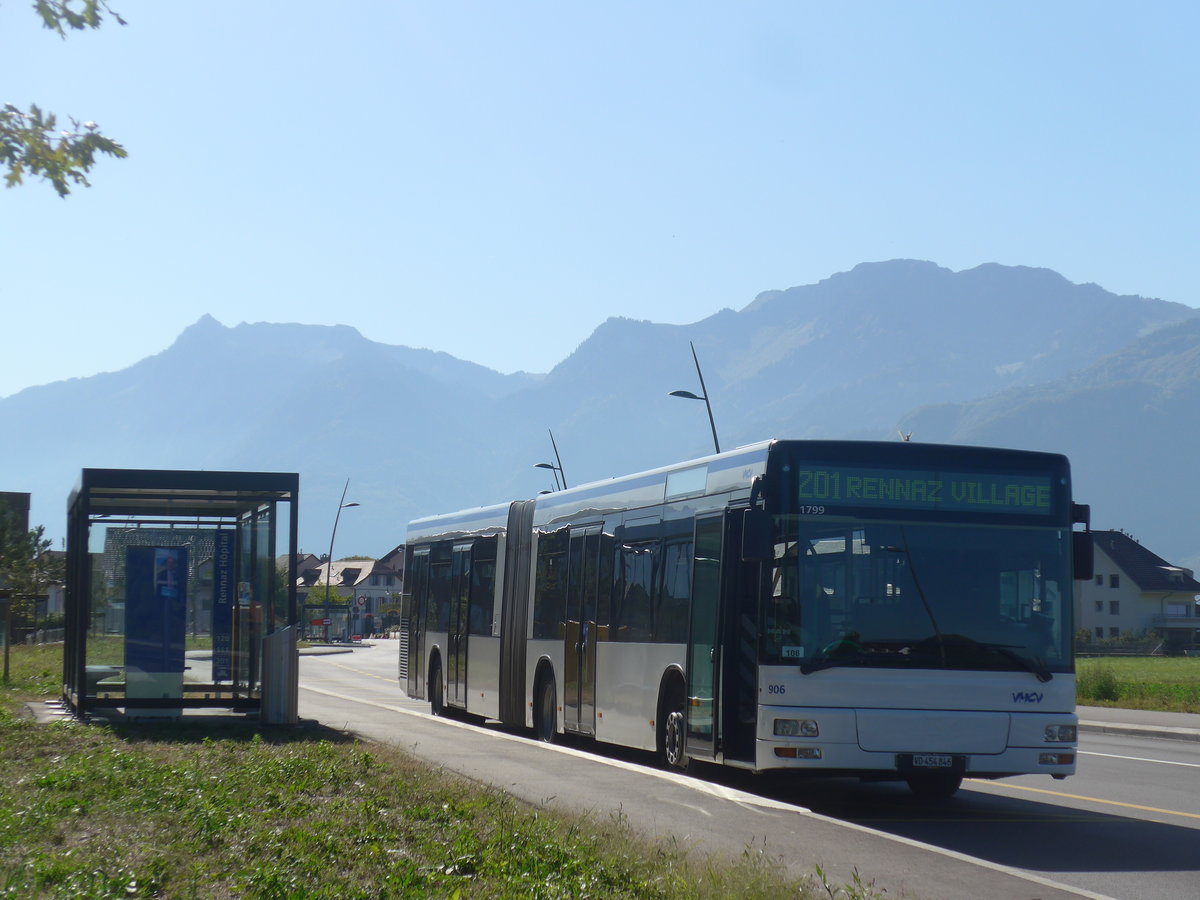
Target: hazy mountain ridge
[[1129, 424], [1157, 368], [995, 354]]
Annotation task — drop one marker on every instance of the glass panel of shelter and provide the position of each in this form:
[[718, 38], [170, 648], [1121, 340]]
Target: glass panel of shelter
[[209, 570]]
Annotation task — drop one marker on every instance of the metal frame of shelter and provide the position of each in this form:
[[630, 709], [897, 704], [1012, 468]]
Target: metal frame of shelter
[[160, 562]]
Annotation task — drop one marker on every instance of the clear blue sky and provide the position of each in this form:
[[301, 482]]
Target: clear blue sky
[[496, 179]]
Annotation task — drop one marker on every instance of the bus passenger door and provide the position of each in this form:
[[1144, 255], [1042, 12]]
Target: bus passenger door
[[418, 620], [579, 635], [704, 650], [456, 638]]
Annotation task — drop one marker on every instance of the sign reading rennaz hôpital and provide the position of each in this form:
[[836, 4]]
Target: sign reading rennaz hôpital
[[223, 589]]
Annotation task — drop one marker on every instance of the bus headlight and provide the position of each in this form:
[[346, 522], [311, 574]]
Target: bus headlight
[[1061, 734], [796, 728]]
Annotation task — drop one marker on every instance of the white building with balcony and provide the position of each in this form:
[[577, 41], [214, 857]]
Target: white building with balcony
[[1135, 591]]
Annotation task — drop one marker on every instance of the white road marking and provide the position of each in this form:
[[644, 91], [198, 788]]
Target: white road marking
[[1162, 762]]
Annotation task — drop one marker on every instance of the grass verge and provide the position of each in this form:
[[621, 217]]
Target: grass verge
[[175, 810], [1169, 684]]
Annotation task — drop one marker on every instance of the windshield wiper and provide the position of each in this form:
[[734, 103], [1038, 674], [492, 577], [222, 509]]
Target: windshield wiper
[[912, 571], [1029, 664], [1008, 651], [845, 651], [829, 662]]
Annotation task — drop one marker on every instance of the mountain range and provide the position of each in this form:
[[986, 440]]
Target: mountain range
[[996, 355]]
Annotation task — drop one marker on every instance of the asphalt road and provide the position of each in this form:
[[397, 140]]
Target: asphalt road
[[1127, 826]]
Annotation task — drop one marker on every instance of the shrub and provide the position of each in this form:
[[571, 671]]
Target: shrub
[[1098, 682]]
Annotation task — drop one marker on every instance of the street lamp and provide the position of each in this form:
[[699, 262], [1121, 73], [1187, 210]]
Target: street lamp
[[342, 504], [557, 470], [688, 395], [553, 468]]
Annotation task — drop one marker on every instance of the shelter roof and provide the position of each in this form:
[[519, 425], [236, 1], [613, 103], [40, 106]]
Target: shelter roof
[[178, 493]]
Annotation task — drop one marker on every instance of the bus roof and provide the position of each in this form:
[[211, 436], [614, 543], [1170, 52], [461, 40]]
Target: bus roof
[[718, 473]]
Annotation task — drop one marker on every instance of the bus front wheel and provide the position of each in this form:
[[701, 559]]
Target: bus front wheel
[[674, 752], [672, 737]]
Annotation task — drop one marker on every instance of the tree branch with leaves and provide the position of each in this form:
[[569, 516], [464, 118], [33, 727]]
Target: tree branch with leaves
[[31, 142], [27, 569]]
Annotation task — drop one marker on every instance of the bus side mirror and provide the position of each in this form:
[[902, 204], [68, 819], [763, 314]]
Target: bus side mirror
[[756, 535], [1084, 553]]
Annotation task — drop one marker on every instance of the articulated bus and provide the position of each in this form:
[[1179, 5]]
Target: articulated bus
[[891, 611]]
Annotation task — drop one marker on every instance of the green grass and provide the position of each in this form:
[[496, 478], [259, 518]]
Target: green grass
[[175, 810], [1170, 684]]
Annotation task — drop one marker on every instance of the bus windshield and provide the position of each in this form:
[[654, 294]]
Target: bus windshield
[[918, 595]]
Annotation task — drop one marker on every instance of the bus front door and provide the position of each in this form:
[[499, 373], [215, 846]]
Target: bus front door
[[456, 637], [579, 636], [704, 649]]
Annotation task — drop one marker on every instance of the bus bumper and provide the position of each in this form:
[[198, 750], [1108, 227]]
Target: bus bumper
[[973, 744]]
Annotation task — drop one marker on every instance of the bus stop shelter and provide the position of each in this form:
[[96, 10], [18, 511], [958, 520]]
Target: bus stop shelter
[[174, 600]]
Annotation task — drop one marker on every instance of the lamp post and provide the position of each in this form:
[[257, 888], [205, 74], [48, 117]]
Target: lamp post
[[688, 395], [557, 470], [553, 468], [342, 504]]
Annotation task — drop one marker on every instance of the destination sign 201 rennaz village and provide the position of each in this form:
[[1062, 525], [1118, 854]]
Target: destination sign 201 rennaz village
[[1009, 492]]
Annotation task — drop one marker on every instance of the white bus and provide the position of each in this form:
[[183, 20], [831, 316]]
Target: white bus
[[891, 611]]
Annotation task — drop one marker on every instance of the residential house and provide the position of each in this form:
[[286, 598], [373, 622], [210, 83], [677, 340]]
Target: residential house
[[1136, 591], [372, 587]]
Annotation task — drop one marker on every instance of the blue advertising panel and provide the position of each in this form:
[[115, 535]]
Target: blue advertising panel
[[222, 623], [155, 608]]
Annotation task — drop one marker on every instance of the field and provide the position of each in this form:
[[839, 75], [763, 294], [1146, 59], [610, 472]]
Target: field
[[1170, 684], [173, 810]]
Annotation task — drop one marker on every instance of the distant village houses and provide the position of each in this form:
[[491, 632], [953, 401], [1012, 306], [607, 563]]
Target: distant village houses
[[1136, 592], [367, 594]]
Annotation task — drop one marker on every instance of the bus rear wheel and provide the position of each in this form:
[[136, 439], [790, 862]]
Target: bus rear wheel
[[547, 711], [437, 704], [934, 788]]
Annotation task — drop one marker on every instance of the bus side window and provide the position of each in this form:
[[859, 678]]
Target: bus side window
[[671, 619], [439, 596], [606, 587], [632, 619], [550, 592], [483, 583]]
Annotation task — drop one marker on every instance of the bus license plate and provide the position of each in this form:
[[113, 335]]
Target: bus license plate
[[932, 761]]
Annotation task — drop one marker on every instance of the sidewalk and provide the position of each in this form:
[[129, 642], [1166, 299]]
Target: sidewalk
[[1140, 723]]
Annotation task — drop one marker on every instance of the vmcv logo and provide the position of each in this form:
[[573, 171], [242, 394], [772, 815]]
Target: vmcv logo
[[1027, 697]]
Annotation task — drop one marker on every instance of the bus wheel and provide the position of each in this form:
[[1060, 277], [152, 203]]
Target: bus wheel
[[437, 703], [933, 788], [547, 711], [674, 736], [672, 727]]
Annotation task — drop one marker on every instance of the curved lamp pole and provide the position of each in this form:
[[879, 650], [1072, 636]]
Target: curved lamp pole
[[342, 504], [557, 470], [553, 468], [688, 395]]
